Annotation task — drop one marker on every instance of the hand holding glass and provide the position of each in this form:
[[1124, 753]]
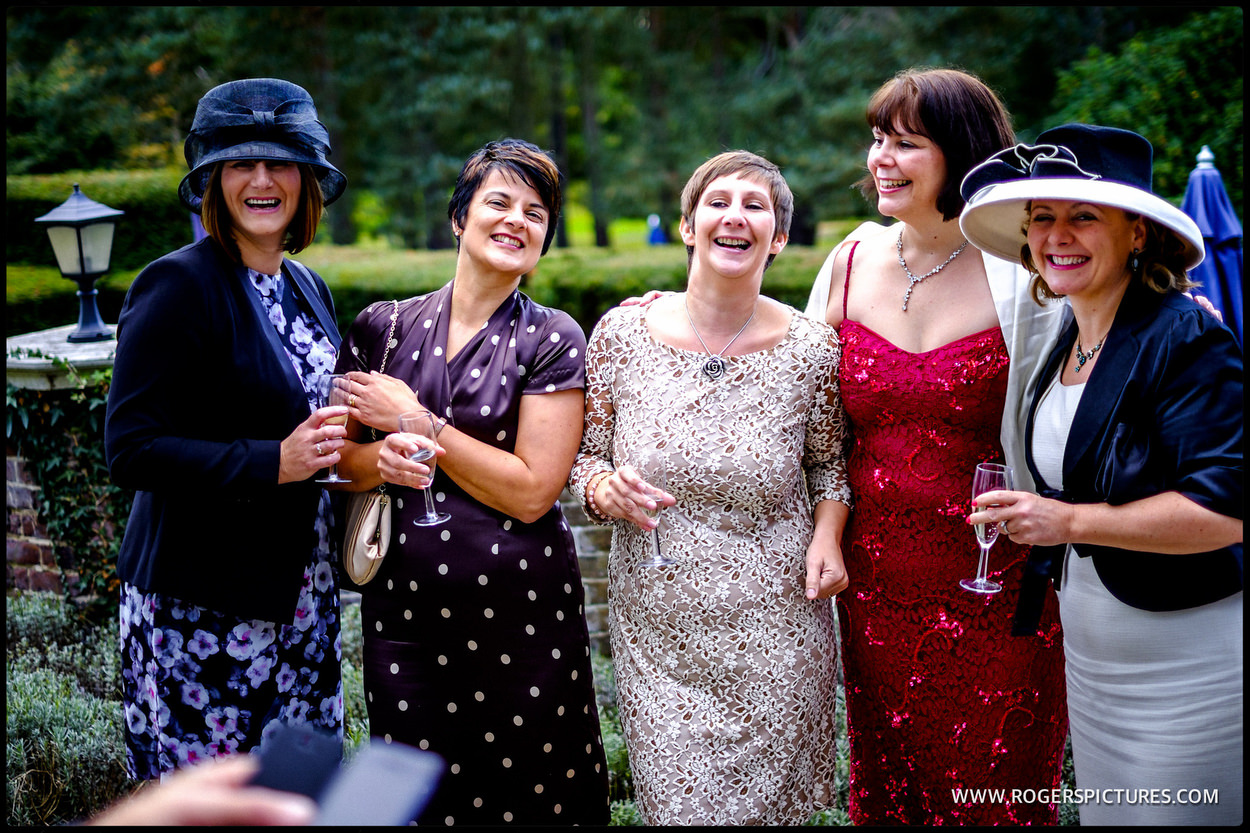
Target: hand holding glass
[[332, 390], [423, 424], [989, 477]]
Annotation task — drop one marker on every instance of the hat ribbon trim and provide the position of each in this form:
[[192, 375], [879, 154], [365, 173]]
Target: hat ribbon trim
[[287, 118], [1025, 162]]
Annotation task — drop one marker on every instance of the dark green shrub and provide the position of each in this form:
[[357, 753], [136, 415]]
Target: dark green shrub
[[45, 632], [64, 749], [65, 754]]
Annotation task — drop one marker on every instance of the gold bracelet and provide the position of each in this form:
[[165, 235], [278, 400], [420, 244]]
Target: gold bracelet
[[590, 496]]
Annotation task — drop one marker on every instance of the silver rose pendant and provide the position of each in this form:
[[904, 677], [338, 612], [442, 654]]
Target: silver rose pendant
[[714, 368]]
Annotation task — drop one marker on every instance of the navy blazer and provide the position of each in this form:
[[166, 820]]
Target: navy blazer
[[202, 396], [1162, 411]]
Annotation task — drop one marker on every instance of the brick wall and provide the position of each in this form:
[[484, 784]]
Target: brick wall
[[31, 561]]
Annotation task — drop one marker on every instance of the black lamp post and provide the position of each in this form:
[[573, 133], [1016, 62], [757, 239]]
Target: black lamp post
[[81, 231]]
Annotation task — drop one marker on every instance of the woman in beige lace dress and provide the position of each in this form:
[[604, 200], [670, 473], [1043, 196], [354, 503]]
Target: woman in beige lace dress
[[725, 658]]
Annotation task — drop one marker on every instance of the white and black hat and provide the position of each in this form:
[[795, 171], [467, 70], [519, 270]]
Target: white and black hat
[[1078, 162]]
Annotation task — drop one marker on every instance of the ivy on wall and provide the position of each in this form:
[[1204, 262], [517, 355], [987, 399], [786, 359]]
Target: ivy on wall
[[60, 436]]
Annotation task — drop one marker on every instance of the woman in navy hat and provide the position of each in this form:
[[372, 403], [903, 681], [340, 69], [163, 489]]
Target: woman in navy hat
[[1134, 438], [229, 601]]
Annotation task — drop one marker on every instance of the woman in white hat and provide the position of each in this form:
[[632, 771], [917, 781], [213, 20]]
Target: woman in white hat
[[1134, 438]]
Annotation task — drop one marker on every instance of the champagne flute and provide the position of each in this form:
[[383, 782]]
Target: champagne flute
[[657, 481], [989, 477], [332, 390], [424, 424]]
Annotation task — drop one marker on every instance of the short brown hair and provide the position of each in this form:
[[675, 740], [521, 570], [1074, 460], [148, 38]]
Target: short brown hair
[[299, 234], [956, 110], [521, 159], [749, 166]]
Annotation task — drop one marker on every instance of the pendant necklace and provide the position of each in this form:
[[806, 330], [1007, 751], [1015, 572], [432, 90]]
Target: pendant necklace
[[714, 368], [1082, 358], [915, 280]]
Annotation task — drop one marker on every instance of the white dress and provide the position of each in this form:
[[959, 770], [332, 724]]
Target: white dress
[[1154, 698], [725, 671]]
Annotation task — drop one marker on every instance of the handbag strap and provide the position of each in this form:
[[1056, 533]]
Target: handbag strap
[[390, 336]]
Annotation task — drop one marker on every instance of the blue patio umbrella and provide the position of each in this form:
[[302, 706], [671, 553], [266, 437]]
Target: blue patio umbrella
[[1220, 273]]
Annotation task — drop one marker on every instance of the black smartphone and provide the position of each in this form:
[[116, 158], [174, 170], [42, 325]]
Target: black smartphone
[[298, 758], [385, 784]]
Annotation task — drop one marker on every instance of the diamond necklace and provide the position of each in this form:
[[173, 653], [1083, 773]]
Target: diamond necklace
[[915, 280], [715, 366]]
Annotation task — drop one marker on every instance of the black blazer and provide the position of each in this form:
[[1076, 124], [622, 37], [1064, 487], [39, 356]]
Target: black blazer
[[201, 398], [1162, 411]]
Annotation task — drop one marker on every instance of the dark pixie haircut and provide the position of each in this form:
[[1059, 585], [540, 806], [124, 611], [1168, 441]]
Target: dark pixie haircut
[[956, 110], [215, 217], [519, 159]]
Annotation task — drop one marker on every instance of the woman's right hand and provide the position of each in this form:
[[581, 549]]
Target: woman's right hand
[[394, 464], [623, 494], [313, 445], [634, 301]]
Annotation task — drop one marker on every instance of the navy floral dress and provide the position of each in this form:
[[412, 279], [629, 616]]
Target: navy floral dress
[[198, 683]]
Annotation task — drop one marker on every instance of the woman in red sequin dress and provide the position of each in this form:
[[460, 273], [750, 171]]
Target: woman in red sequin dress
[[940, 697]]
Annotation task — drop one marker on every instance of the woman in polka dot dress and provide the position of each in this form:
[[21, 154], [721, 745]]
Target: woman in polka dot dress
[[475, 643]]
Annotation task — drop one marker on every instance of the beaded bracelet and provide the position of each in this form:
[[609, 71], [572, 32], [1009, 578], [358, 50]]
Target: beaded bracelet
[[590, 496]]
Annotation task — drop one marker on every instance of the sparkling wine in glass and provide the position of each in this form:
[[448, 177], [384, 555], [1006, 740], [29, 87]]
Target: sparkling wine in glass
[[989, 477], [424, 424], [332, 390], [657, 480]]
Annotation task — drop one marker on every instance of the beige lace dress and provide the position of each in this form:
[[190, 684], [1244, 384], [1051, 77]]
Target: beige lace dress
[[725, 671]]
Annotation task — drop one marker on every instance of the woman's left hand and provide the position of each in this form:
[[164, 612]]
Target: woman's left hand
[[1024, 517], [377, 400]]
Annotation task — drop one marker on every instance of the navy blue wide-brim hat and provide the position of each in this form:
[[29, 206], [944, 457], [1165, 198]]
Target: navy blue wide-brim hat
[[257, 118], [1077, 162]]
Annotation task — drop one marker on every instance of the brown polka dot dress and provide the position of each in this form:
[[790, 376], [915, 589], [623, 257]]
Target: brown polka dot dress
[[475, 643]]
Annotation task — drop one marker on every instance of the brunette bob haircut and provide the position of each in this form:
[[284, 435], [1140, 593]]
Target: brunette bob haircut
[[953, 108], [299, 234]]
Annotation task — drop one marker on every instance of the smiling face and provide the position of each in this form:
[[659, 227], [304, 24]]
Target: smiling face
[[735, 228], [908, 171], [1082, 249], [505, 226], [262, 198]]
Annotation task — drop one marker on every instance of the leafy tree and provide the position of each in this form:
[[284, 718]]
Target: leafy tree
[[1181, 88], [630, 98]]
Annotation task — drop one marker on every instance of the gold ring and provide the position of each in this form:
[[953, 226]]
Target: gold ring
[[351, 400]]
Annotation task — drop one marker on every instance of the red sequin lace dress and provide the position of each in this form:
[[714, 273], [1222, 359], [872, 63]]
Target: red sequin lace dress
[[940, 696]]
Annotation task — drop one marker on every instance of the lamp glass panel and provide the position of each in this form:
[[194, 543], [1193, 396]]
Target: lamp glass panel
[[97, 244], [65, 246]]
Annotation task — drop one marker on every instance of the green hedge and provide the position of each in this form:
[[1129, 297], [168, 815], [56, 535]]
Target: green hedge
[[155, 221]]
